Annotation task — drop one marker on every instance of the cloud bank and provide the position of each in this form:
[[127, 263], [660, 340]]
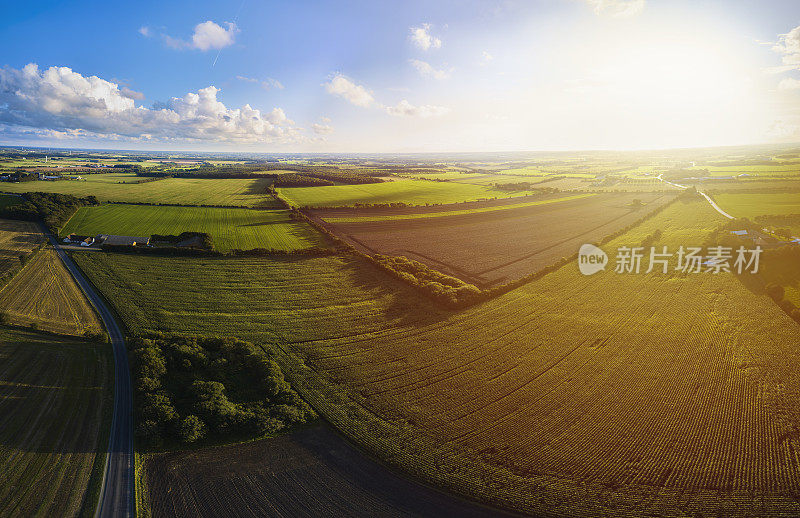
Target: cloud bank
[[788, 46], [61, 100]]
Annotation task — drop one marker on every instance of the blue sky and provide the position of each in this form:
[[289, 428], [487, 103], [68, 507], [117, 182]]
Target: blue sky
[[400, 76]]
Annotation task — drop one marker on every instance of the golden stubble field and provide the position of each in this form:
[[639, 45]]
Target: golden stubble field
[[45, 294]]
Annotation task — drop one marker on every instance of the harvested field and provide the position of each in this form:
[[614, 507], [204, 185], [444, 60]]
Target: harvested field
[[609, 395], [45, 294], [506, 240], [242, 229], [17, 237], [54, 392], [310, 472]]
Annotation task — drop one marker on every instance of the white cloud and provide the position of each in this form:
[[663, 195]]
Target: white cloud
[[788, 46], [267, 84], [789, 84], [345, 88], [206, 36], [616, 8], [425, 69], [406, 109], [144, 30], [322, 129], [422, 38], [61, 100], [783, 130], [130, 94]]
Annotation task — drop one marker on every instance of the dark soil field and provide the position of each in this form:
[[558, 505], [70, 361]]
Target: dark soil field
[[308, 473], [487, 248]]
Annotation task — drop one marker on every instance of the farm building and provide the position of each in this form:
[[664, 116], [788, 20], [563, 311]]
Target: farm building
[[79, 240], [111, 240]]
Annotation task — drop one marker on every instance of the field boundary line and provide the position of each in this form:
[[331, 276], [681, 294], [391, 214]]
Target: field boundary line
[[461, 212]]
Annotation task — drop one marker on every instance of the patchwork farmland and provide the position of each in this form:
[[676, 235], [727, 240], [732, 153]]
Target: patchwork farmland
[[565, 389], [563, 395], [492, 242], [242, 229]]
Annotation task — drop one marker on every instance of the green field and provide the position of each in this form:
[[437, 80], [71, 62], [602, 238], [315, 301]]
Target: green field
[[241, 229], [260, 299], [752, 205], [565, 386], [55, 399], [410, 192], [445, 213], [118, 187]]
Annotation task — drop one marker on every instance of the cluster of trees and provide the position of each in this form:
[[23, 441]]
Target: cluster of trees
[[514, 186], [22, 176], [53, 208], [345, 176], [297, 180], [190, 389], [203, 239], [314, 251], [450, 291]]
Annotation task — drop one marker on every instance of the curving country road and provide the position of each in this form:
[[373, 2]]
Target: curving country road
[[116, 493], [701, 193]]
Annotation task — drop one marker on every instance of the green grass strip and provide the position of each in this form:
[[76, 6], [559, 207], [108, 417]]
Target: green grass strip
[[510, 206]]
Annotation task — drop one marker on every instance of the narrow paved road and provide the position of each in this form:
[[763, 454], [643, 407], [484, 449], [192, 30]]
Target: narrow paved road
[[116, 494], [701, 193]]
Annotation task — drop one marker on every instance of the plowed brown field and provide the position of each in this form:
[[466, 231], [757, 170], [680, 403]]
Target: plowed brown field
[[496, 246]]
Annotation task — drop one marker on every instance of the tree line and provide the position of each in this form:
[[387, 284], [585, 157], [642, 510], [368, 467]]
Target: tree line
[[53, 208]]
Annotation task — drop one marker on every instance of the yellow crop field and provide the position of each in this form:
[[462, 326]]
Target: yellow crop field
[[45, 294]]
